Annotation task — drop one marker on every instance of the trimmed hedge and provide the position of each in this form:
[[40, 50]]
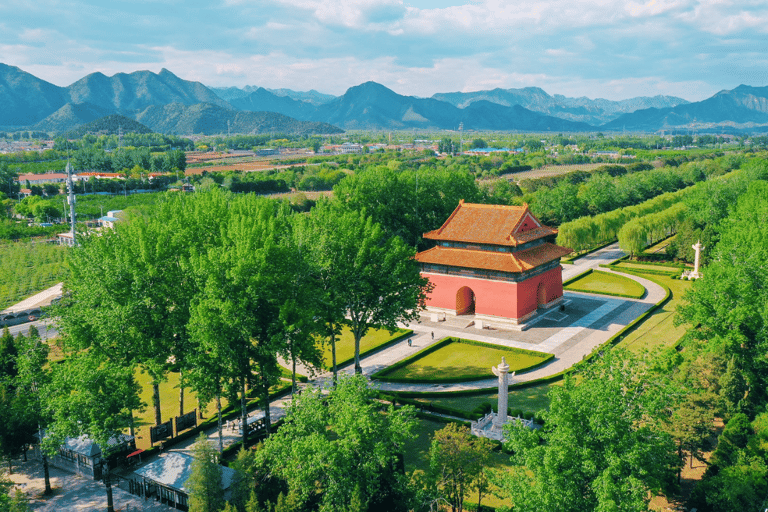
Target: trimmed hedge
[[382, 374]]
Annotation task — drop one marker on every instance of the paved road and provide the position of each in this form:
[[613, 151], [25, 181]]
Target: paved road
[[46, 328]]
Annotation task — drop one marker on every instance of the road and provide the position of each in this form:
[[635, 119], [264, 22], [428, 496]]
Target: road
[[46, 328]]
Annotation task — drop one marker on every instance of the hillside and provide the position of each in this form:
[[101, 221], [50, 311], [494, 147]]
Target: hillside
[[139, 90], [597, 111], [742, 107], [207, 119], [26, 99], [109, 125], [373, 106], [70, 116]]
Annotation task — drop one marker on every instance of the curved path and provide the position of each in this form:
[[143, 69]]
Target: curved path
[[589, 321]]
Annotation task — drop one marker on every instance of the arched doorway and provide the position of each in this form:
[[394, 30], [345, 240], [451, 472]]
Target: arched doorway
[[465, 301], [541, 294]]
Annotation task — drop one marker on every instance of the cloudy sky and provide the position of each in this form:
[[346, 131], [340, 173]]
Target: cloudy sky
[[614, 49]]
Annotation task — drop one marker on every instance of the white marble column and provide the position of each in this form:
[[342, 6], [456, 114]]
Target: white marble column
[[696, 247], [502, 372]]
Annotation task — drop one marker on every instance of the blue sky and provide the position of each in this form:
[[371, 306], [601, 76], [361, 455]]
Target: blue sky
[[613, 49]]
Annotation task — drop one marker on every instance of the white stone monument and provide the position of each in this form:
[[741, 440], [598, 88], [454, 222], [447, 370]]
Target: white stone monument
[[696, 247], [502, 372]]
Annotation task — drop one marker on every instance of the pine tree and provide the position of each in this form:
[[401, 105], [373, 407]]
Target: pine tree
[[205, 492]]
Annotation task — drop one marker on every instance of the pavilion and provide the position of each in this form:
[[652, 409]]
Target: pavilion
[[498, 263]]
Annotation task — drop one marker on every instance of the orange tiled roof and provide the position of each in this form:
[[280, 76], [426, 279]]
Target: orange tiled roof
[[491, 224], [488, 260]]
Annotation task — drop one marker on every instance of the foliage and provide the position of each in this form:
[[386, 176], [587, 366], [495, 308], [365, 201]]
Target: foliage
[[602, 448], [205, 491], [457, 462], [729, 303], [407, 203], [339, 448]]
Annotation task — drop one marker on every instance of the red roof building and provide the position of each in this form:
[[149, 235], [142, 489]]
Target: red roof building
[[496, 262]]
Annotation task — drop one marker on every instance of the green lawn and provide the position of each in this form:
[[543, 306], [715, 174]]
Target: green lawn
[[660, 247], [639, 266], [530, 399], [658, 330], [345, 344], [464, 361], [603, 282]]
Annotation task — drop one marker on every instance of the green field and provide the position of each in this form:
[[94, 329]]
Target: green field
[[657, 268], [658, 330], [27, 268], [603, 282], [460, 360], [345, 344]]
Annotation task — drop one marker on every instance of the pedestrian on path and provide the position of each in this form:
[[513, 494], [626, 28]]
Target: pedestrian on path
[[433, 334], [409, 342]]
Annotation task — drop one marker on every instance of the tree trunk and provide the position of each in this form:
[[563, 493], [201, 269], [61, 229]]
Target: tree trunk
[[156, 400], [181, 393], [333, 354], [267, 420], [243, 415], [221, 434], [358, 368], [108, 483], [46, 475]]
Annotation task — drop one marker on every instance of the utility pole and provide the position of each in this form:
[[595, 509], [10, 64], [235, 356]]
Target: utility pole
[[71, 199]]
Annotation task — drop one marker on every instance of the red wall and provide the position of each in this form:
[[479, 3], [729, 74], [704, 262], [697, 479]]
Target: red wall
[[497, 298]]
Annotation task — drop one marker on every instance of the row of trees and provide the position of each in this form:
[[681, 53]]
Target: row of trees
[[216, 287]]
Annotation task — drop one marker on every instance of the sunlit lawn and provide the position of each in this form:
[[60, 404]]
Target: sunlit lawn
[[459, 360], [169, 405], [417, 457], [658, 330], [345, 344], [641, 266], [603, 282], [531, 399]]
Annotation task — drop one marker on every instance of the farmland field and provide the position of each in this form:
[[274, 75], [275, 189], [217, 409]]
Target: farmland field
[[27, 268]]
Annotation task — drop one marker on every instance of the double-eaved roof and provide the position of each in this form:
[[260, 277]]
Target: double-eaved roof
[[491, 224], [478, 226]]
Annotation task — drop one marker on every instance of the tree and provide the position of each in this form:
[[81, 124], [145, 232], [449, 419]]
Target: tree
[[729, 304], [457, 461], [340, 449], [601, 448], [91, 395], [375, 277], [205, 491]]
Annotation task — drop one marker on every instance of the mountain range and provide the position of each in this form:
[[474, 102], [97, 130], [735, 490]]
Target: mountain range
[[168, 104]]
